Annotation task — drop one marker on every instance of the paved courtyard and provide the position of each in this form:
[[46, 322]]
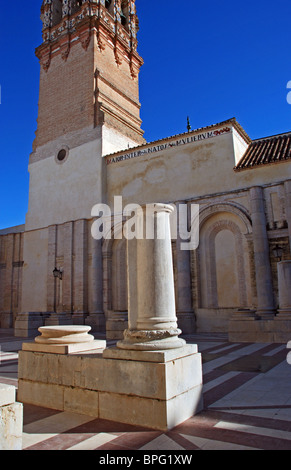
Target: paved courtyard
[[247, 398]]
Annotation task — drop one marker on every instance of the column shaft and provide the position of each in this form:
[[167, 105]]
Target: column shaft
[[266, 305], [152, 309]]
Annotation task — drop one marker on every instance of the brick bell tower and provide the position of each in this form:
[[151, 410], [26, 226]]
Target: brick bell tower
[[88, 104], [88, 107]]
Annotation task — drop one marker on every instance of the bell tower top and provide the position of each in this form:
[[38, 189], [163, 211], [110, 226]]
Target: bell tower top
[[60, 17], [89, 69]]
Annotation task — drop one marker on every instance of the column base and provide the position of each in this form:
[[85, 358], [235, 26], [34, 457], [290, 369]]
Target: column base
[[97, 322], [27, 324], [116, 323], [79, 318], [244, 315], [146, 340], [284, 314], [186, 322], [266, 314], [6, 320], [58, 319]]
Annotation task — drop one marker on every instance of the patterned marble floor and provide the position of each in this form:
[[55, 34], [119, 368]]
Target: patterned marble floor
[[247, 398]]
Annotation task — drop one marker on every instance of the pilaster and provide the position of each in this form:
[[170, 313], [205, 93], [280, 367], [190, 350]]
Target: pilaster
[[266, 306], [287, 186]]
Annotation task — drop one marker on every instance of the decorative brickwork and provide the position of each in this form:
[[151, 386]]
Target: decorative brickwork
[[89, 69]]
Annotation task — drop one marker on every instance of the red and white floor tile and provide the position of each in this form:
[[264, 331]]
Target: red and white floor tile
[[247, 398]]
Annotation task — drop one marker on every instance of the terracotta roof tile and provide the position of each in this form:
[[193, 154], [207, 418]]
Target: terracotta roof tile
[[266, 151]]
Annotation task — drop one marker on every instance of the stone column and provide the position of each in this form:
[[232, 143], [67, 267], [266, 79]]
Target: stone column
[[68, 267], [52, 244], [96, 318], [284, 283], [151, 295], [185, 311], [80, 272], [266, 304], [287, 185], [59, 314]]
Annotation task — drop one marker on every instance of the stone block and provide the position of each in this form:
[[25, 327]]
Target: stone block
[[11, 424], [7, 394], [6, 320], [78, 400], [64, 348], [277, 330], [11, 419], [158, 390], [41, 394], [115, 328], [150, 356], [40, 367], [155, 414]]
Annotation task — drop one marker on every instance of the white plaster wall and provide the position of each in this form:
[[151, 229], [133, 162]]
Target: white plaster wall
[[240, 146], [193, 170], [174, 174], [113, 141], [64, 192]]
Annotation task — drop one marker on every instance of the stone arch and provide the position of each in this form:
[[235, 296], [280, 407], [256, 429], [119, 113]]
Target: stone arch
[[222, 264], [233, 208]]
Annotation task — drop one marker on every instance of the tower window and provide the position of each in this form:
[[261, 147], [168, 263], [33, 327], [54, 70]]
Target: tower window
[[56, 12], [75, 5], [107, 3], [124, 13], [123, 19]]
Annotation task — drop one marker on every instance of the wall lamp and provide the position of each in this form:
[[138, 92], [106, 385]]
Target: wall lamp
[[278, 253], [58, 273]]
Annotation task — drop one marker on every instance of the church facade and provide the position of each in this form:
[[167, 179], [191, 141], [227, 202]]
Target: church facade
[[89, 149]]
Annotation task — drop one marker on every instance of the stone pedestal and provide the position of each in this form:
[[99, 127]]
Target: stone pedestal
[[97, 322], [244, 314], [11, 419], [243, 328], [116, 323], [27, 324], [6, 320], [154, 389]]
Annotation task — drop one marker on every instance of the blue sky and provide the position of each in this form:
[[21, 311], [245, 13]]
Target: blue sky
[[207, 60]]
